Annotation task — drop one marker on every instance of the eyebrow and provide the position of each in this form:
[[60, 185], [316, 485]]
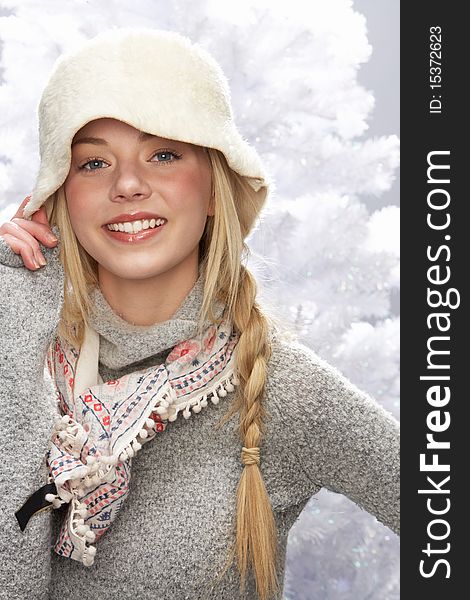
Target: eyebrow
[[101, 142]]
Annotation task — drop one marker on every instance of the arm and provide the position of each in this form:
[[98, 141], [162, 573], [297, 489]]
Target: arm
[[342, 439], [30, 304]]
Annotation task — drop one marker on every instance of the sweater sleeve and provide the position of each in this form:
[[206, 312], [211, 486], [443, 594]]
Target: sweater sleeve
[[30, 304], [333, 435]]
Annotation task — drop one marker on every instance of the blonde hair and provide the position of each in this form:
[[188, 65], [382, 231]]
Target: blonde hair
[[221, 249]]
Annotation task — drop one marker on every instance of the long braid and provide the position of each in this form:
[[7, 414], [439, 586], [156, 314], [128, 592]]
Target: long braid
[[256, 533]]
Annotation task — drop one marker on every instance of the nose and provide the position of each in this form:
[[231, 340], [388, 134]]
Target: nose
[[130, 184]]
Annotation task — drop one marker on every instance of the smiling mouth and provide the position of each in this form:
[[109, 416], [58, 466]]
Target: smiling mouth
[[134, 232], [136, 226]]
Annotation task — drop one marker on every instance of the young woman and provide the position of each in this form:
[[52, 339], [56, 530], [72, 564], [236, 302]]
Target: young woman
[[160, 363]]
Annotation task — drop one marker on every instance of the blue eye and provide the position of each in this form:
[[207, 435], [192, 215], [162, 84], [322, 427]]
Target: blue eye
[[167, 156], [94, 161]]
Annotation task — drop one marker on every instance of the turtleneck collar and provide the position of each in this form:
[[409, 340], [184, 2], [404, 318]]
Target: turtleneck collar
[[122, 343]]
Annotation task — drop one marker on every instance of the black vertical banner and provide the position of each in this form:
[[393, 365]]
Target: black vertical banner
[[435, 239]]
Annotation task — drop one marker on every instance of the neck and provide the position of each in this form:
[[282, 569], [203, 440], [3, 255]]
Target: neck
[[151, 300]]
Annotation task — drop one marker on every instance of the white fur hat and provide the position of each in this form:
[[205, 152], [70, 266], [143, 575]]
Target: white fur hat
[[158, 82]]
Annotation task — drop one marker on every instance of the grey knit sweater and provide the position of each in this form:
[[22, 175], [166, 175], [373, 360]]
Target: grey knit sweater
[[172, 535]]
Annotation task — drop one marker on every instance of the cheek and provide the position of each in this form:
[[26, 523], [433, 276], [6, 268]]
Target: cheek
[[74, 205], [80, 199], [191, 190], [78, 204]]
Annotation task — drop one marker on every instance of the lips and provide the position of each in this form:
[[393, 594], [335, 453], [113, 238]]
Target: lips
[[124, 237], [135, 216]]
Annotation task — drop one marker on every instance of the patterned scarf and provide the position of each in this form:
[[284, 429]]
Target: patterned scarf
[[104, 424]]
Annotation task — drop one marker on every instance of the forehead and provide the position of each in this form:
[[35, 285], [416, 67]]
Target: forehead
[[104, 130]]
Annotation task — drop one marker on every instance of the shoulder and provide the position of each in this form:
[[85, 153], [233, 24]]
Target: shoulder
[[305, 388], [292, 360], [13, 286], [30, 301], [7, 257], [293, 365]]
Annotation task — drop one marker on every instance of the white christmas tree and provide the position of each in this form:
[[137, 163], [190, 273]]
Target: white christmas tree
[[326, 262]]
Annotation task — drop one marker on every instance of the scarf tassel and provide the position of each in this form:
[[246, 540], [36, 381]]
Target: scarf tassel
[[220, 389], [71, 433], [83, 532], [148, 432]]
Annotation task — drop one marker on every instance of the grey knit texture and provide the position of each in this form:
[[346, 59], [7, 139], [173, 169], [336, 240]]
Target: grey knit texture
[[172, 535]]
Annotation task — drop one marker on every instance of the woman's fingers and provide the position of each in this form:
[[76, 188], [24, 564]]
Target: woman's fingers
[[13, 229], [39, 230], [19, 246], [23, 235], [38, 226]]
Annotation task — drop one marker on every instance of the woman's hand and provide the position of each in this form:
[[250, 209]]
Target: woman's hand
[[23, 236]]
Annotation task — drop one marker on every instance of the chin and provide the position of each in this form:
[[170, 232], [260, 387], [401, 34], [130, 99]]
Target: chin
[[134, 272], [137, 267]]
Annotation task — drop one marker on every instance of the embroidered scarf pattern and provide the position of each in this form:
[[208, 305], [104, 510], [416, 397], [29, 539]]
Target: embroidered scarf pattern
[[104, 424]]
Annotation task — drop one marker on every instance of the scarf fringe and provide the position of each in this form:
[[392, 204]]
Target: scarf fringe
[[101, 469]]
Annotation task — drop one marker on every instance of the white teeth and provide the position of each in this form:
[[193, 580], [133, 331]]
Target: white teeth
[[135, 226]]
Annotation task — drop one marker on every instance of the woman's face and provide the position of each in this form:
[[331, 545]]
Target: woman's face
[[123, 178]]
